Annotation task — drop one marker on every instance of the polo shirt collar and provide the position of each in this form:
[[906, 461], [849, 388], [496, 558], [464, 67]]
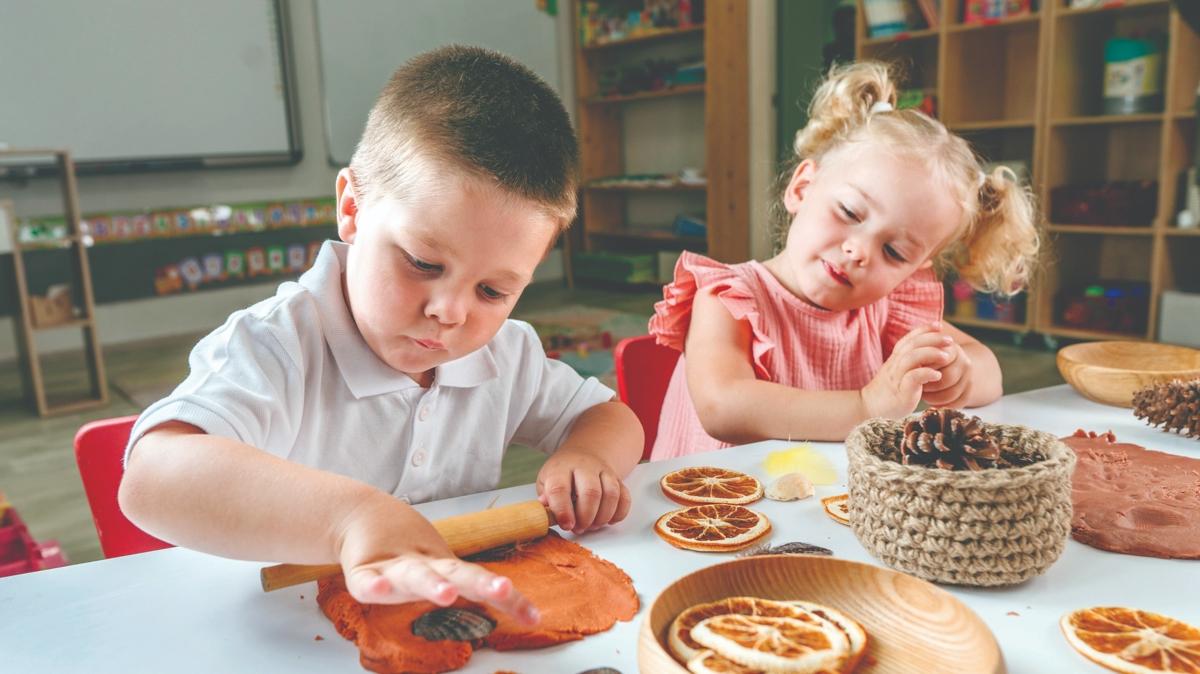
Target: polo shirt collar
[[363, 371]]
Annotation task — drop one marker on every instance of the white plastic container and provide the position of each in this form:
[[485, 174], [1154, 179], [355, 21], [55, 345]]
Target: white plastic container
[[1179, 318]]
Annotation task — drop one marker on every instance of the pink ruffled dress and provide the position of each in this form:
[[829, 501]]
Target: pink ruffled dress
[[792, 342]]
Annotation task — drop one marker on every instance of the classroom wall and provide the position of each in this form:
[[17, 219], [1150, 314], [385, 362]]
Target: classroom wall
[[314, 176]]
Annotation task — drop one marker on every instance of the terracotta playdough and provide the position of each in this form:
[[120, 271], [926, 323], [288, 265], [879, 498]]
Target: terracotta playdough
[[1134, 500], [576, 592]]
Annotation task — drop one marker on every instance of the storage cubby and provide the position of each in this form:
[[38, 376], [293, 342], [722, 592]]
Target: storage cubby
[[1008, 54], [1098, 285], [1077, 47], [1180, 156], [1005, 144], [916, 57]]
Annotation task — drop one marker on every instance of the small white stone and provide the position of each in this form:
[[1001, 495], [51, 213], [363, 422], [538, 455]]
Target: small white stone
[[790, 487]]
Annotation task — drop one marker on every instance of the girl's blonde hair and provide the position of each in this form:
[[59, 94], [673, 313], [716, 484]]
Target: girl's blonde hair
[[995, 247]]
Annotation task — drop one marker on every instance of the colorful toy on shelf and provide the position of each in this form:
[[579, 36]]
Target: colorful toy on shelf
[[1110, 306], [19, 553], [890, 17], [983, 11], [605, 22], [963, 302], [1130, 203], [217, 219]]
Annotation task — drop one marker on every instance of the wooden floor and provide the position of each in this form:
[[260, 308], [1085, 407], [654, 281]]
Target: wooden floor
[[37, 466]]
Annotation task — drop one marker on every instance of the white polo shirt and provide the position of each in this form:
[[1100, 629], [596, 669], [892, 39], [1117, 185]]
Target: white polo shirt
[[292, 375]]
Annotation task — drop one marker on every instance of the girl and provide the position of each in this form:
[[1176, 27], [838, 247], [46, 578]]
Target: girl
[[844, 324]]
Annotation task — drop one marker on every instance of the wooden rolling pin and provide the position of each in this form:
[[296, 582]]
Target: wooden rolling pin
[[466, 535]]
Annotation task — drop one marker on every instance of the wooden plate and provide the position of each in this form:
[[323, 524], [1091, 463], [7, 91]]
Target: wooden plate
[[1109, 372], [912, 626]]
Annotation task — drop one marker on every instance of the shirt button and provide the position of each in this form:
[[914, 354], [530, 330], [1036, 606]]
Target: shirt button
[[418, 457], [423, 414]]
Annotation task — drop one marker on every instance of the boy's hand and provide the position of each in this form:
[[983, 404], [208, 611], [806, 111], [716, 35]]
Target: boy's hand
[[952, 388], [390, 555], [582, 491], [916, 362]]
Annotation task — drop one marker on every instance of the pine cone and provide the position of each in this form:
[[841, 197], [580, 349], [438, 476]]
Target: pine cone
[[950, 440], [1174, 405]]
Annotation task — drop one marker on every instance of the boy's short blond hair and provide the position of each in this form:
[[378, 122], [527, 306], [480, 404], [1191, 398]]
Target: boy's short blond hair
[[475, 113]]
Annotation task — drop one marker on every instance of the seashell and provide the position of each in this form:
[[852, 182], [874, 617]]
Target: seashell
[[790, 487], [453, 624], [793, 548]]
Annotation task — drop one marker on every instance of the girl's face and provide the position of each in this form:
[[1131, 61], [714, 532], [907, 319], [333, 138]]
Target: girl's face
[[433, 278], [861, 223]]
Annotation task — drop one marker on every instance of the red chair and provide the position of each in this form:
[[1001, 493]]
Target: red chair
[[643, 371], [99, 448]]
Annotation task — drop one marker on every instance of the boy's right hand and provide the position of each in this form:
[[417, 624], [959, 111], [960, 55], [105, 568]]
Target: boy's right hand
[[915, 361], [391, 554]]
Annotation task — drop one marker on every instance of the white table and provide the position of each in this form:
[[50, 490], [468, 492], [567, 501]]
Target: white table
[[183, 611]]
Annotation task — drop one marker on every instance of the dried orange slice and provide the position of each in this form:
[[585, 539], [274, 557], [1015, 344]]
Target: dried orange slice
[[679, 637], [712, 528], [1128, 640], [708, 484], [709, 662], [854, 632], [778, 644], [838, 507]]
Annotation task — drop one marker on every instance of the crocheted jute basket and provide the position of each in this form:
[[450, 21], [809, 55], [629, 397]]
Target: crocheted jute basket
[[987, 527]]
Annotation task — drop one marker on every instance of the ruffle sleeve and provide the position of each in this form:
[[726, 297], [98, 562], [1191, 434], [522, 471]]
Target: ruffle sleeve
[[673, 315], [917, 301]]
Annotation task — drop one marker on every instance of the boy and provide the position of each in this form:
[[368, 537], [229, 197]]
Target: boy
[[390, 373]]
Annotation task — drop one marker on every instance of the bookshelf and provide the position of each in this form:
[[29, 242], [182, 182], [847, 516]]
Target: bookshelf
[[1029, 88], [689, 125]]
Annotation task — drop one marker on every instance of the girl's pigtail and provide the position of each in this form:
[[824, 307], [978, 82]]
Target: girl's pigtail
[[998, 252]]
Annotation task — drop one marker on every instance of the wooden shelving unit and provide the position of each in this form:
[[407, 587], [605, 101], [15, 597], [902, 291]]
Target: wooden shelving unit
[[1030, 88], [1083, 145], [48, 403], [613, 217]]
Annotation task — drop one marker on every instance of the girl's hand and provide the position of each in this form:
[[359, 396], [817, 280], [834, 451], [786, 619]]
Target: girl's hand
[[582, 491], [390, 555], [951, 390], [915, 362]]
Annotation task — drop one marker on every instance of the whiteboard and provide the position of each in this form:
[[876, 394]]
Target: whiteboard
[[362, 42], [146, 83]]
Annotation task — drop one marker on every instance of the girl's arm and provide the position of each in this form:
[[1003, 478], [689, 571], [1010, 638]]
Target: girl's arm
[[225, 497], [734, 406]]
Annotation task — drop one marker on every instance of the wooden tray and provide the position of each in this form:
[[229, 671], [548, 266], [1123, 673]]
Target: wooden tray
[[1110, 372], [912, 626]]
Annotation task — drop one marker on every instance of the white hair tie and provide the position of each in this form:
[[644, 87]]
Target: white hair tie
[[881, 106]]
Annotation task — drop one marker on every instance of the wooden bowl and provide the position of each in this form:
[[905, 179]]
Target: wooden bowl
[[1110, 372], [912, 626]]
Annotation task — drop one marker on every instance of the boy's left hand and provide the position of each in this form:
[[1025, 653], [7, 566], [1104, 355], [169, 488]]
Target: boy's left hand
[[951, 389], [582, 491]]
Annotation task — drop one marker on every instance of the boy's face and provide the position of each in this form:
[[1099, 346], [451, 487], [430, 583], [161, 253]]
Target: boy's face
[[861, 223], [432, 278]]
